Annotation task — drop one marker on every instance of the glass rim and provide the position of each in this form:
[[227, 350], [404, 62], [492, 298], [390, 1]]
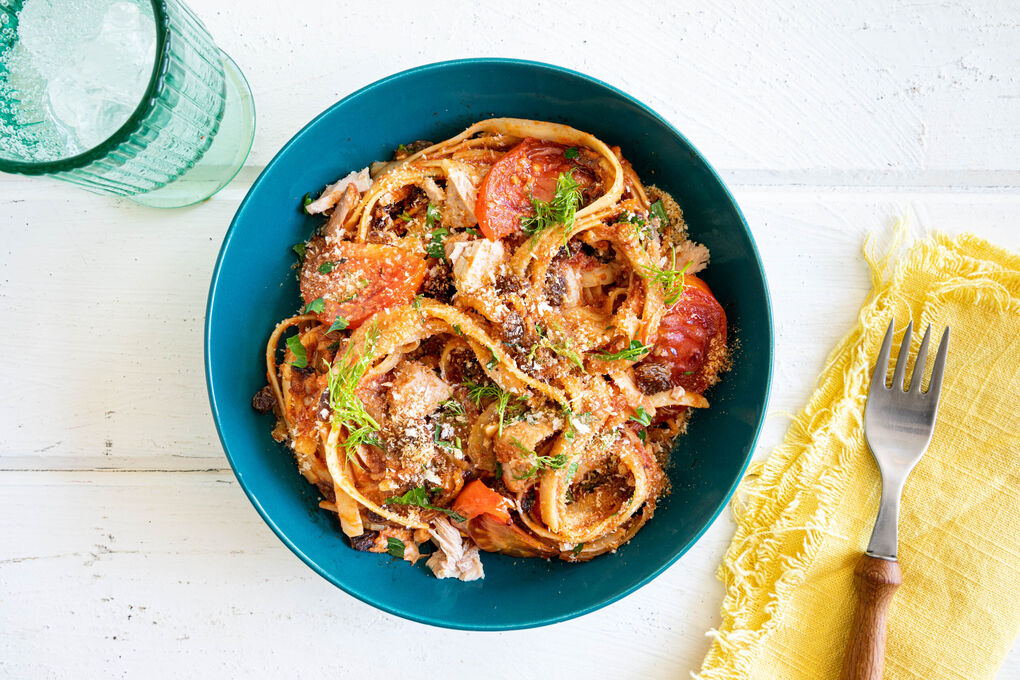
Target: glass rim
[[121, 134]]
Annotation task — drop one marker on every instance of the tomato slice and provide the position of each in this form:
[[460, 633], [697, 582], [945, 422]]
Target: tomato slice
[[529, 169], [476, 499], [684, 338], [356, 280]]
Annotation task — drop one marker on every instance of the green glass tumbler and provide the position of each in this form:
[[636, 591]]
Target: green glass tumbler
[[183, 136]]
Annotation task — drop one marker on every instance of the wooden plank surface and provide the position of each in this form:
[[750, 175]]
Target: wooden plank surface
[[127, 547]]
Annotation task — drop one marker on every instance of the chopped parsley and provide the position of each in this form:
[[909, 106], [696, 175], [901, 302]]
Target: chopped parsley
[[435, 247], [416, 303], [641, 416], [454, 445], [658, 210], [406, 216], [395, 547], [420, 497], [672, 279], [578, 548], [560, 210], [432, 216], [633, 351], [306, 200], [570, 152], [316, 306], [493, 361], [299, 248], [300, 356], [401, 148], [326, 267], [348, 409], [339, 324], [473, 231]]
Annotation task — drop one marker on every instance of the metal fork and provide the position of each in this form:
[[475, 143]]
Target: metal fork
[[898, 426]]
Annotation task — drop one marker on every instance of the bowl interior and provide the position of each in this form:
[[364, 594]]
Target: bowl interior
[[254, 286]]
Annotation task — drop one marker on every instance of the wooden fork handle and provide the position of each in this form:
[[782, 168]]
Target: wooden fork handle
[[877, 580]]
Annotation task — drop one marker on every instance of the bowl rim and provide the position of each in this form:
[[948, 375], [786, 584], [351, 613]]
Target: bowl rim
[[540, 620]]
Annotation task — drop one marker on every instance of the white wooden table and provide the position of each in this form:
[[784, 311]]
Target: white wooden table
[[126, 546]]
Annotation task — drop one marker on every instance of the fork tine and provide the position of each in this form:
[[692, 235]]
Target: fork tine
[[917, 375], [882, 362], [901, 358], [935, 384]]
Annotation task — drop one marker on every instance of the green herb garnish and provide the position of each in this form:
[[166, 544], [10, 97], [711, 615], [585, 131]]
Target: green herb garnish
[[326, 267], [633, 351], [306, 200], [406, 216], [420, 497], [560, 210], [454, 445], [453, 407], [658, 210], [641, 416], [316, 306], [300, 356], [642, 229], [432, 216], [563, 348], [570, 152], [493, 361], [348, 409], [435, 247], [339, 324], [578, 548], [395, 547], [299, 248], [672, 279], [552, 462], [492, 391]]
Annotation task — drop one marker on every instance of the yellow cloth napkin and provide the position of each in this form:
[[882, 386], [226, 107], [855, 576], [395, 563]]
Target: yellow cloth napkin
[[805, 514]]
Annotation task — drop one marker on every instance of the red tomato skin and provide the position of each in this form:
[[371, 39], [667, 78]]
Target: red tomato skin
[[365, 278], [686, 333], [504, 196]]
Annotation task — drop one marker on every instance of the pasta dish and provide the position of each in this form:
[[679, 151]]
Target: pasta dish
[[501, 336]]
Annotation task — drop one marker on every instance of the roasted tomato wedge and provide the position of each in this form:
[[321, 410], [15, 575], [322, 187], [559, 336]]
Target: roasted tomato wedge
[[690, 344], [356, 280], [528, 170], [476, 498]]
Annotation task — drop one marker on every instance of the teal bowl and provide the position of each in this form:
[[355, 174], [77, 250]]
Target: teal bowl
[[253, 286]]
